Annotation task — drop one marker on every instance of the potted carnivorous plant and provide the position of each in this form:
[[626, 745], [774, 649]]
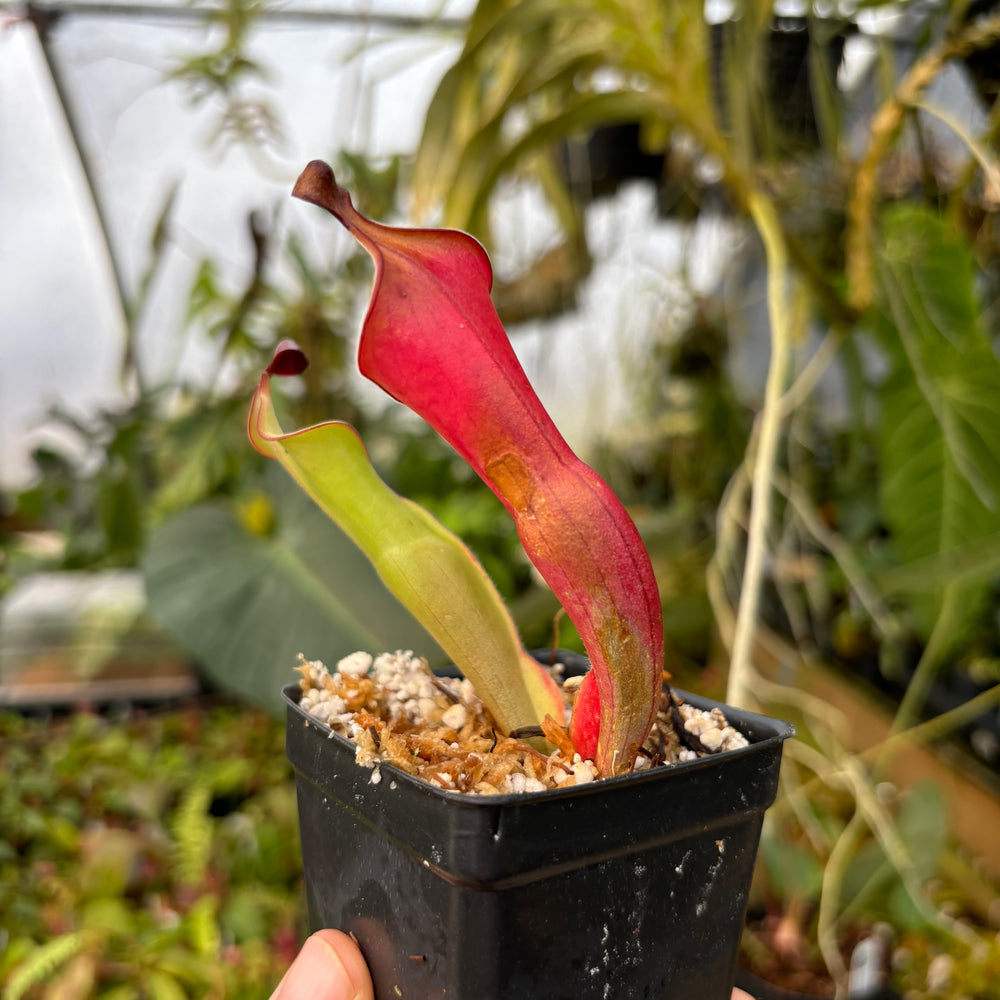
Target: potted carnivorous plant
[[545, 827]]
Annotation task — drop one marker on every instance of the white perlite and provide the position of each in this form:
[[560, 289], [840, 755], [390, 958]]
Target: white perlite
[[711, 728], [412, 693]]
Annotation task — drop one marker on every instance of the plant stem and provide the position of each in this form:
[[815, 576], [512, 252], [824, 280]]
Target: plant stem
[[884, 126], [819, 761], [813, 370], [729, 528], [804, 808], [285, 15], [947, 722], [981, 153], [871, 600], [776, 254], [829, 900], [930, 662], [898, 854]]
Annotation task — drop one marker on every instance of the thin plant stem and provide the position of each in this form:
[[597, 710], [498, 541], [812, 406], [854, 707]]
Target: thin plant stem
[[881, 824], [288, 15], [957, 199], [729, 527], [843, 554], [929, 664], [979, 151], [834, 721], [885, 125], [815, 368], [947, 722], [776, 253], [803, 808], [870, 814], [823, 765], [796, 611], [722, 611], [927, 732], [829, 900]]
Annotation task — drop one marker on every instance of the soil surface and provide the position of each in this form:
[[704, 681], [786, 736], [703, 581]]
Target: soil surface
[[397, 711]]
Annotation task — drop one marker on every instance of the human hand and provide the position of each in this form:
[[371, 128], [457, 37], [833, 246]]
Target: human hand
[[331, 967]]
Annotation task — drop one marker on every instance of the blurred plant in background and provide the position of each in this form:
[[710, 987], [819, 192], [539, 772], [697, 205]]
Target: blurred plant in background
[[148, 856], [745, 119]]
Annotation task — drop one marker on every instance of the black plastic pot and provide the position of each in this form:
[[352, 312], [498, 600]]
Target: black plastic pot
[[631, 887]]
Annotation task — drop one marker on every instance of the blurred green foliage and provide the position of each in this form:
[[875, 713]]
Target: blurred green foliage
[[151, 856], [789, 883]]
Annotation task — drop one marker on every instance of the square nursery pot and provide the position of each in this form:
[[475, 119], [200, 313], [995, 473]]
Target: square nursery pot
[[630, 887]]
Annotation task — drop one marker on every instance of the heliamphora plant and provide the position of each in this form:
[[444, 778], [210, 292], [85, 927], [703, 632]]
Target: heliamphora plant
[[432, 339]]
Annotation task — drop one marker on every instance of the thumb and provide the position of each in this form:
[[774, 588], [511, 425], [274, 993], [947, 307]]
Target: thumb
[[330, 966]]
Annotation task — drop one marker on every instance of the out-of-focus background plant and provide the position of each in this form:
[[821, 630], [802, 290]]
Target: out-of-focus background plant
[[772, 232], [148, 855]]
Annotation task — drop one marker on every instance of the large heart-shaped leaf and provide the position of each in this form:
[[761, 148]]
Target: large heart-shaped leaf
[[941, 406], [245, 602]]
